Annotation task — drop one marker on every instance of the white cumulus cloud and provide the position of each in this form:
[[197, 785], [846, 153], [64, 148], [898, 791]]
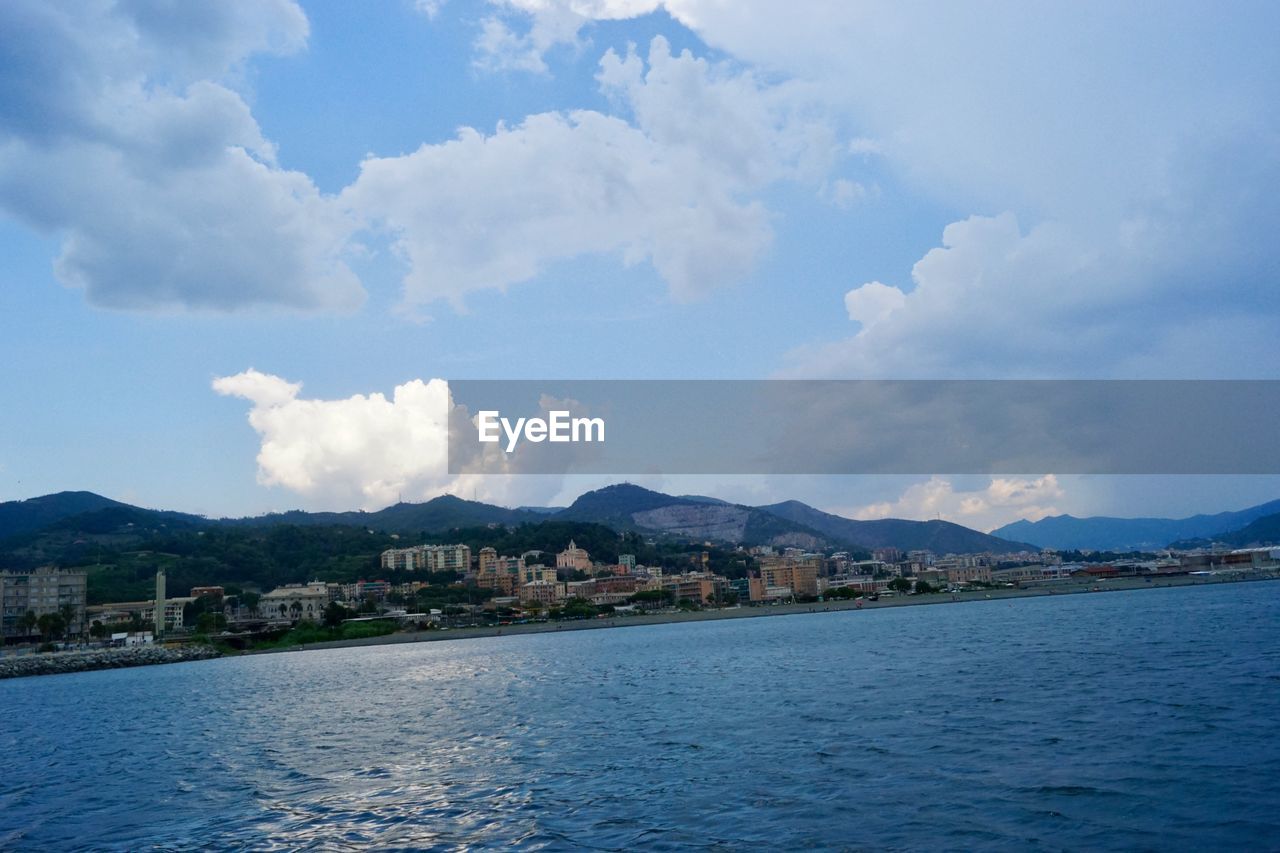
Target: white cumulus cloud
[[370, 450], [872, 303], [673, 187]]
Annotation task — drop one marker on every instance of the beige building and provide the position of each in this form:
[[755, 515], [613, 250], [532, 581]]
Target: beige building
[[699, 587], [542, 592], [573, 557], [800, 578], [123, 611], [530, 574], [428, 558], [296, 602], [41, 591], [968, 574], [501, 583]]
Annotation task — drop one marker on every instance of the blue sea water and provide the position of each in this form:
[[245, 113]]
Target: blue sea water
[[1111, 721]]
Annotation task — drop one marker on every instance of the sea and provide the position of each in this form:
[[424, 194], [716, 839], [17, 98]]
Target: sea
[[1142, 720]]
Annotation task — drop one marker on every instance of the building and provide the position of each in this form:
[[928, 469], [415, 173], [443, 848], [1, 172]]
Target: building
[[363, 590], [573, 558], [502, 584], [750, 590], [296, 601], [41, 591], [428, 558], [801, 578], [969, 574], [628, 562], [530, 574], [119, 612], [698, 587], [542, 592], [210, 591]]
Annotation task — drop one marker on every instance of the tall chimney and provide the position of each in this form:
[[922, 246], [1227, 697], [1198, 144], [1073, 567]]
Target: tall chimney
[[159, 609]]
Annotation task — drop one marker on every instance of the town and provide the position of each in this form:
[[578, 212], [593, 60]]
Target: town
[[459, 589]]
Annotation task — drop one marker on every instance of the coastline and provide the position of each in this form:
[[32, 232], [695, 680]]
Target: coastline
[[743, 612], [57, 663]]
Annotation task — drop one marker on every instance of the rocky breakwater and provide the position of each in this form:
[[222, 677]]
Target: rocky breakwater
[[53, 663]]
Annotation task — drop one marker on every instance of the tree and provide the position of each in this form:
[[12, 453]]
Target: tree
[[208, 622], [51, 626], [296, 610], [660, 597], [27, 623], [250, 601], [577, 608], [335, 614], [68, 613], [900, 585], [924, 586], [98, 630]]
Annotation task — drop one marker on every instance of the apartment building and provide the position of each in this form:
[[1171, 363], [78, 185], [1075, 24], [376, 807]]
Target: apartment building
[[801, 578], [41, 591], [428, 558]]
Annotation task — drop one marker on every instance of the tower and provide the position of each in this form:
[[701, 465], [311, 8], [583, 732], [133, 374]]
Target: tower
[[159, 608]]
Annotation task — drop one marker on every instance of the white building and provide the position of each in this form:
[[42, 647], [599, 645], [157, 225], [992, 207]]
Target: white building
[[295, 602]]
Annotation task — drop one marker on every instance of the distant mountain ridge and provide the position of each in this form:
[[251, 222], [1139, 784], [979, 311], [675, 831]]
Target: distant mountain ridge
[[1104, 533], [1257, 533], [17, 517], [438, 514], [786, 523], [623, 507], [941, 537]]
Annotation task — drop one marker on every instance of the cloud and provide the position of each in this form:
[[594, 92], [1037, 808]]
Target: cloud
[[672, 188], [1004, 499], [365, 450], [1118, 191], [117, 133], [371, 450], [1058, 301], [872, 302], [520, 33]]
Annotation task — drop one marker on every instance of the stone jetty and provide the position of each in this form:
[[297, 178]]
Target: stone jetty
[[53, 663]]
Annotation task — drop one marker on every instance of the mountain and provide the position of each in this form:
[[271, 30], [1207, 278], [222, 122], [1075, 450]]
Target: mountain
[[1260, 531], [1103, 533], [542, 510], [629, 507], [434, 516], [941, 537], [18, 517], [790, 523]]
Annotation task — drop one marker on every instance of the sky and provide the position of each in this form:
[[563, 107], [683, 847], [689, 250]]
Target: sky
[[244, 243]]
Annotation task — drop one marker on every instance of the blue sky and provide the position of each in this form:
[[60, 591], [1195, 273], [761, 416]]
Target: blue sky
[[363, 197]]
